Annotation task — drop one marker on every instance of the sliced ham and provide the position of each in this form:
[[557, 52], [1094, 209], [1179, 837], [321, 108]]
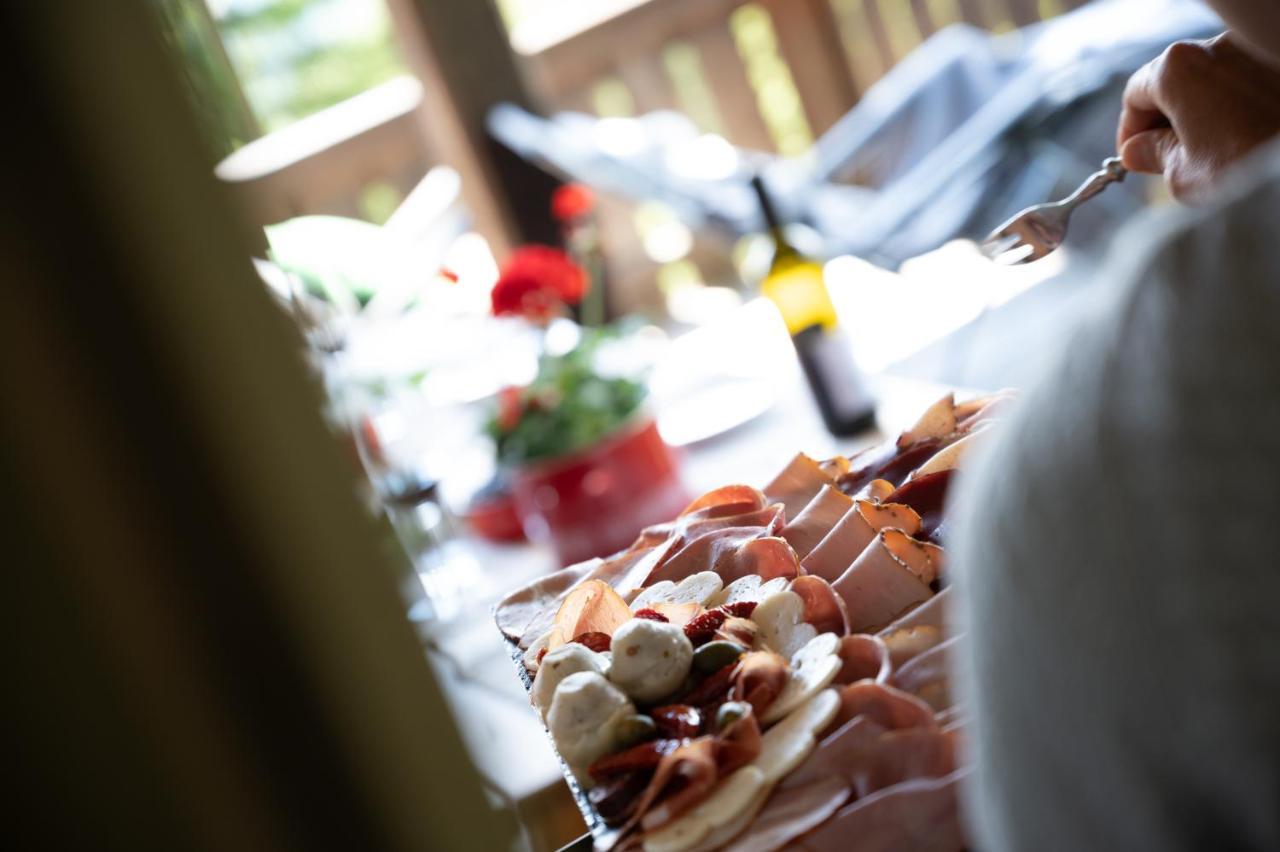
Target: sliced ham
[[933, 613], [927, 675], [805, 530], [890, 577], [864, 657], [853, 532], [921, 815], [797, 484], [823, 608]]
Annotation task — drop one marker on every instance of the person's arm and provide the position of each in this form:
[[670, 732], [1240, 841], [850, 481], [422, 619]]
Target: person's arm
[[1197, 109], [1116, 582]]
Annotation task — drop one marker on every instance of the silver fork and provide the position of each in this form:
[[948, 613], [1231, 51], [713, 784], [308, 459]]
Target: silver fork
[[1038, 230]]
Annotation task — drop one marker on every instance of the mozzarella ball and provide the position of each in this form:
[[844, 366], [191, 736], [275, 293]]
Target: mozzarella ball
[[584, 718], [650, 659], [557, 665]]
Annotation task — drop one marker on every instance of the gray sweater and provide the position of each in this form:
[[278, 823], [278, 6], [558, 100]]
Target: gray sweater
[[1117, 551]]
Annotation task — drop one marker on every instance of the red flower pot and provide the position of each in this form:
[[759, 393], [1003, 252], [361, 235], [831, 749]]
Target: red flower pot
[[594, 502]]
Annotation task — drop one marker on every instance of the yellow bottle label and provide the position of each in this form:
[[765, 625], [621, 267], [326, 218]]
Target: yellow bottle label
[[801, 296]]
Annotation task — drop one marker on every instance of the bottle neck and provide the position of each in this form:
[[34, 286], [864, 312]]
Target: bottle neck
[[783, 249]]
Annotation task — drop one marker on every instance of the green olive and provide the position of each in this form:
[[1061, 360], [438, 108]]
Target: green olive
[[730, 712], [714, 656], [635, 729]]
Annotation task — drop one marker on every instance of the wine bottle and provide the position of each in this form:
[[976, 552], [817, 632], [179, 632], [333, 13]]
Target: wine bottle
[[795, 285]]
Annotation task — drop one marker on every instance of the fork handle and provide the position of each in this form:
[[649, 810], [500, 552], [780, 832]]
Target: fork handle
[[1112, 171]]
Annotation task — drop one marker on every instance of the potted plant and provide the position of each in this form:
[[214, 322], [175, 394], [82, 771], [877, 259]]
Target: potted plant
[[586, 465]]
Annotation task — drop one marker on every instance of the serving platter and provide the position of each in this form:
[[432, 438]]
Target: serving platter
[[830, 718]]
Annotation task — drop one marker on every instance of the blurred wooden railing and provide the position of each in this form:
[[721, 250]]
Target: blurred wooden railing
[[766, 74]]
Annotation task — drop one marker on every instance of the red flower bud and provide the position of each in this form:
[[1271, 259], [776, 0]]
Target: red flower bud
[[572, 201], [536, 281]]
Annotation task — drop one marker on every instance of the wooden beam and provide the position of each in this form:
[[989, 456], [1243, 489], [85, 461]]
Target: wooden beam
[[460, 52]]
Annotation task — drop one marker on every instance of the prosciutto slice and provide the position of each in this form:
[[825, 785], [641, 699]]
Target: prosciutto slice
[[864, 657], [694, 767], [797, 484], [853, 532], [805, 530], [890, 577], [823, 608], [760, 677], [890, 708]]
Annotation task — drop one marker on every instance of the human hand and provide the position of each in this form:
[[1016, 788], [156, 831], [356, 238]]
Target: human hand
[[1194, 111]]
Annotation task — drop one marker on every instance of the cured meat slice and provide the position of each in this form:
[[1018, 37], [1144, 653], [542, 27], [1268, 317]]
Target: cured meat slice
[[830, 758], [887, 461], [853, 532], [789, 813], [732, 553], [949, 457], [975, 412], [590, 607], [897, 756], [863, 657], [688, 774], [921, 815], [927, 495], [734, 498], [797, 484], [769, 557], [805, 530], [888, 707], [529, 610], [891, 576], [927, 675], [906, 643], [760, 679], [835, 466], [937, 422], [823, 608], [877, 490], [932, 613]]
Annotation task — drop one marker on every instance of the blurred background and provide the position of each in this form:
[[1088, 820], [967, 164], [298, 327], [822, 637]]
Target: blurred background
[[524, 279]]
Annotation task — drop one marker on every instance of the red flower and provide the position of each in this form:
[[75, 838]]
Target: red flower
[[509, 407], [571, 201], [536, 281]]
